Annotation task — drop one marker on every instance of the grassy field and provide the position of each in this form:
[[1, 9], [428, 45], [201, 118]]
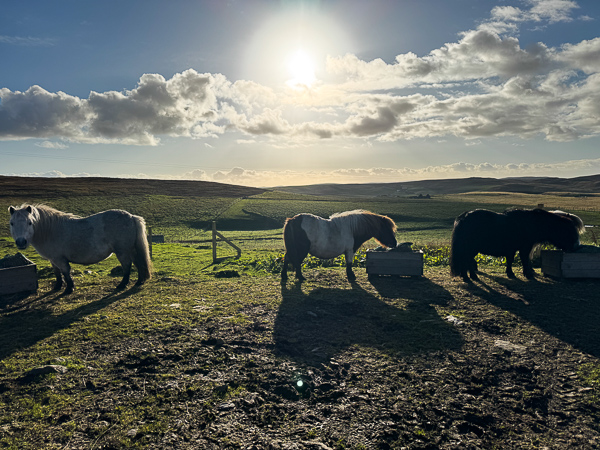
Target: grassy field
[[211, 355], [424, 222]]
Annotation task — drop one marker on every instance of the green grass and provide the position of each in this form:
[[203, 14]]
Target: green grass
[[66, 330], [590, 376], [96, 332], [424, 222]]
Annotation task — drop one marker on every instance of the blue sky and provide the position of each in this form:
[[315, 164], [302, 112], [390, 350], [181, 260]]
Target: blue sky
[[269, 93]]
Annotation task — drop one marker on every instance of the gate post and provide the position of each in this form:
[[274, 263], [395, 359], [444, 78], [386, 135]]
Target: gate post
[[216, 234]]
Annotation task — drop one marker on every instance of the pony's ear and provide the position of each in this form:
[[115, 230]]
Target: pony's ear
[[29, 209], [11, 210]]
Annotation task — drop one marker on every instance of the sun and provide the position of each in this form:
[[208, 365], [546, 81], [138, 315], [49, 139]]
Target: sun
[[301, 68]]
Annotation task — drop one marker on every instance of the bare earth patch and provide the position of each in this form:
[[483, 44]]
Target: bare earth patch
[[418, 363]]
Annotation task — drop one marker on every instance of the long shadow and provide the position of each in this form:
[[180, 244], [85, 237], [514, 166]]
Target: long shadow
[[312, 327], [566, 309], [27, 323]]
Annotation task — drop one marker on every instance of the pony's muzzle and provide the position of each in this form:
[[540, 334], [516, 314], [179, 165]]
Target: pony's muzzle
[[21, 243]]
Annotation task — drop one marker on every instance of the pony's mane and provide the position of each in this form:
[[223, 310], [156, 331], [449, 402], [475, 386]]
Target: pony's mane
[[573, 218], [46, 217], [361, 220]]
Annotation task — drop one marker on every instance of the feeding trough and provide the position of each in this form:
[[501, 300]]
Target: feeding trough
[[400, 261], [17, 274], [585, 263]]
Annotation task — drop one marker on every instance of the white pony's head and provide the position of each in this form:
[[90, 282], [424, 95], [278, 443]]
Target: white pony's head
[[21, 225]]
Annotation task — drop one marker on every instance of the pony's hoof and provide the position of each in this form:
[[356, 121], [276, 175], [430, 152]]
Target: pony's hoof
[[121, 286], [67, 291]]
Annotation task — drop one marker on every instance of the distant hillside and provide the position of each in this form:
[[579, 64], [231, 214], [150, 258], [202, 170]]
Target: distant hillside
[[32, 188], [527, 185], [29, 187]]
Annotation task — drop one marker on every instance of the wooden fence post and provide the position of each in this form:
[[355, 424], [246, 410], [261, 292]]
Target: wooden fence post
[[591, 228], [216, 234], [214, 241]]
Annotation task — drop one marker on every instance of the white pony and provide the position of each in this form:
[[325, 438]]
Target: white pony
[[327, 238], [64, 238]]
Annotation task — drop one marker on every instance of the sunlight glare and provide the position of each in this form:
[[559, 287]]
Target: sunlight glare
[[302, 69]]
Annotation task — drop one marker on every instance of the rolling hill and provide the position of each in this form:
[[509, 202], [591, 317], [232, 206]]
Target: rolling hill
[[30, 187], [587, 185]]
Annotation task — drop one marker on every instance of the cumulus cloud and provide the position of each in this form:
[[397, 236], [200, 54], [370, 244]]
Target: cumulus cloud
[[480, 54], [268, 122], [553, 11], [271, 178], [185, 105], [50, 144], [483, 85], [37, 113], [584, 56], [196, 175]]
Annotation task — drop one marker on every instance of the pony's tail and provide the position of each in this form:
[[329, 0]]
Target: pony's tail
[[288, 237], [456, 258], [295, 240], [142, 251]]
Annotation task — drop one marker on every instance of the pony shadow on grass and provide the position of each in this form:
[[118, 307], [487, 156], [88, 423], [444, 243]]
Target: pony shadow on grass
[[568, 310], [27, 322], [312, 327]]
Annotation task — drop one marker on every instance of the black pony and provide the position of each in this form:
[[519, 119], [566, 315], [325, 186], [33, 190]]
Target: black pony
[[503, 234]]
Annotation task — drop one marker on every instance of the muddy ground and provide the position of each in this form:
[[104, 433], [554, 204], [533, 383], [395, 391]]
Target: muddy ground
[[426, 363]]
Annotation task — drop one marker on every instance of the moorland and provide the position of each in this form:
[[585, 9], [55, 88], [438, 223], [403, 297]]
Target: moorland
[[223, 355]]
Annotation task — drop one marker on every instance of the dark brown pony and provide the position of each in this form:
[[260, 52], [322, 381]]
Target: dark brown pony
[[503, 234]]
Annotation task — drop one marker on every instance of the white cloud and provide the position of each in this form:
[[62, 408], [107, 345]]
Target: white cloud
[[270, 122], [584, 56], [270, 178], [480, 54], [52, 174], [552, 10], [26, 41], [196, 174], [51, 144], [37, 113], [265, 178], [184, 105], [483, 85]]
